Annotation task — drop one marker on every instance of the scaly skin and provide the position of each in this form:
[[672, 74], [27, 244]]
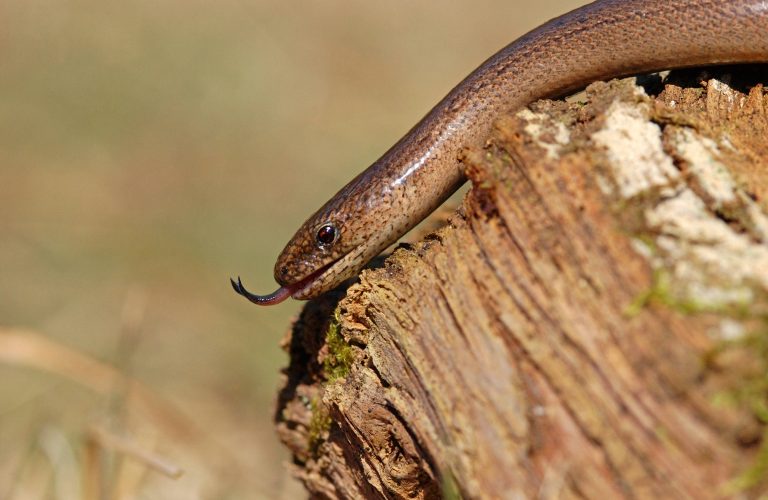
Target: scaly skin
[[605, 39]]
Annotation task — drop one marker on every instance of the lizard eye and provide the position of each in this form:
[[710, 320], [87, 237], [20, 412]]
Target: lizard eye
[[326, 235]]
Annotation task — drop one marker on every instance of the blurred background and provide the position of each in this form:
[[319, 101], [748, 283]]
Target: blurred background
[[149, 150]]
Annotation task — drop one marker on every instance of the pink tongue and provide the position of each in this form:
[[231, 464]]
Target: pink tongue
[[276, 297]]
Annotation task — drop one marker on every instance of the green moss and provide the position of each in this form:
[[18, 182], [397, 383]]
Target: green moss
[[340, 356], [752, 393], [449, 488], [319, 425], [754, 475], [336, 365], [660, 292]]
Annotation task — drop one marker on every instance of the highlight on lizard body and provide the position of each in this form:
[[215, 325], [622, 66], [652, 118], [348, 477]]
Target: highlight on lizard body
[[604, 39]]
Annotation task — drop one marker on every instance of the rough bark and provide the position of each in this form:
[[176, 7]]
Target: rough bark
[[591, 323]]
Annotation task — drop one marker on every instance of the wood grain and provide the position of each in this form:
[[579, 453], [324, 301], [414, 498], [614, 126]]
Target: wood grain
[[585, 326]]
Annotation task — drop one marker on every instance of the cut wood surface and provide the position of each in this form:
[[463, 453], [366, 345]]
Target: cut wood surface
[[591, 323]]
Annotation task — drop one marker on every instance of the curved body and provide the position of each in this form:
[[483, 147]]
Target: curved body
[[604, 39]]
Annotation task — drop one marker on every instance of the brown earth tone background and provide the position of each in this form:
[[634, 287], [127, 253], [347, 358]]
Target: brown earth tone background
[[148, 151]]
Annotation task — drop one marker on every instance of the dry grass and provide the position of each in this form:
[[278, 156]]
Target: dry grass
[[148, 151], [110, 454]]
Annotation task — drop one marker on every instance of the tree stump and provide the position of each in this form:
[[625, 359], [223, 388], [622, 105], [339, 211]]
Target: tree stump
[[591, 323]]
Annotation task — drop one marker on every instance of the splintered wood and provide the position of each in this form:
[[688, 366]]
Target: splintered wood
[[591, 323]]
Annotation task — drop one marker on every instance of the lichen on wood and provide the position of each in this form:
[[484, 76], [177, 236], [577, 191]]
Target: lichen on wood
[[590, 323]]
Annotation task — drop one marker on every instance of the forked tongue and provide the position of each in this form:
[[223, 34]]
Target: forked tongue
[[273, 298], [281, 293]]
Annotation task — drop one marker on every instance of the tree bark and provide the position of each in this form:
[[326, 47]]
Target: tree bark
[[591, 323]]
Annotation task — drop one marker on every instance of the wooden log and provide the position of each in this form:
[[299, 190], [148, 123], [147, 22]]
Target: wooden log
[[591, 323]]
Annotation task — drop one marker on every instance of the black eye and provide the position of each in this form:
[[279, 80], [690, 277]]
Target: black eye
[[326, 235]]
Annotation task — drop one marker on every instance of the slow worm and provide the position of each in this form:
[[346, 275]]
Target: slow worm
[[604, 39]]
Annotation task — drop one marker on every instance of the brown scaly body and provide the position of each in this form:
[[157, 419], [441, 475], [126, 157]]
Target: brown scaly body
[[604, 39]]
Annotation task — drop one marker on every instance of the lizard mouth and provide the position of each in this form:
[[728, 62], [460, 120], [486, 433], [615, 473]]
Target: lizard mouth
[[314, 284]]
